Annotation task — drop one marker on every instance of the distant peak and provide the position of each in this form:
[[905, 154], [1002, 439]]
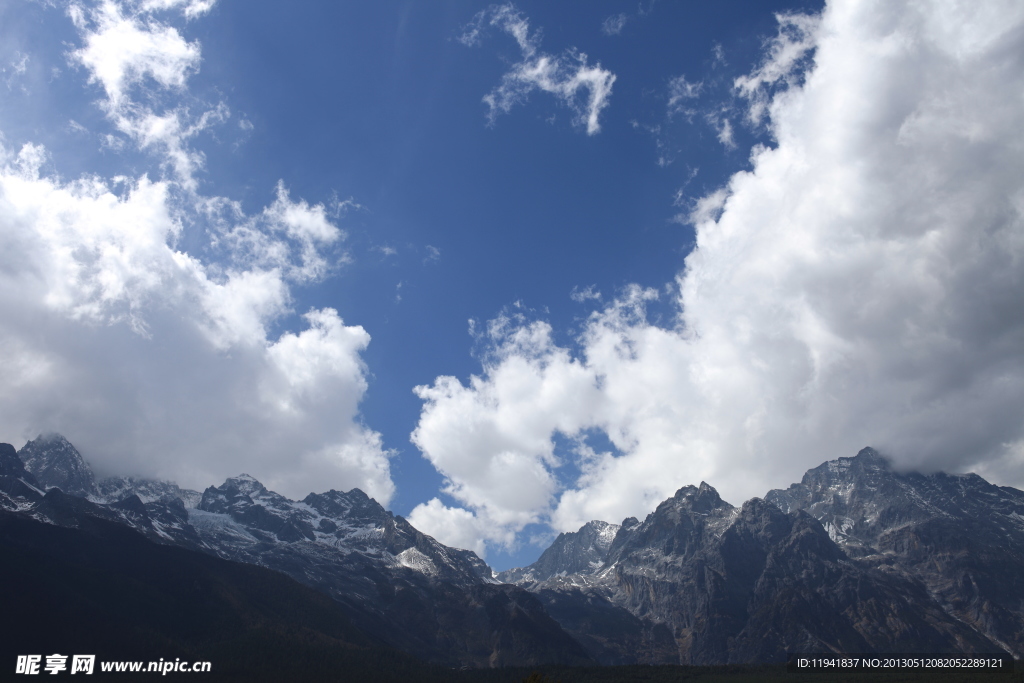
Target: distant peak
[[56, 463], [707, 498], [685, 492], [867, 460], [50, 441], [598, 524], [352, 496], [871, 455], [50, 437], [596, 529], [246, 483], [700, 499]]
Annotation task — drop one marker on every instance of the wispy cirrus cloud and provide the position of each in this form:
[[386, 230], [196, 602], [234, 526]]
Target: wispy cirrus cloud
[[787, 59], [585, 89], [729, 104], [613, 25], [681, 94], [589, 293]]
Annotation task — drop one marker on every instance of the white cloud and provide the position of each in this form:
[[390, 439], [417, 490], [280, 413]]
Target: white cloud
[[566, 76], [121, 50], [718, 54], [459, 527], [707, 209], [613, 25], [788, 56], [530, 389], [21, 66], [126, 48], [144, 320], [156, 363], [723, 129], [680, 92], [862, 284], [190, 8], [586, 294], [785, 62], [16, 69]]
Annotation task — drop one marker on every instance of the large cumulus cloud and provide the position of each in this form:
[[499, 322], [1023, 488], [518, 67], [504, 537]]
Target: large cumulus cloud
[[153, 359], [862, 284]]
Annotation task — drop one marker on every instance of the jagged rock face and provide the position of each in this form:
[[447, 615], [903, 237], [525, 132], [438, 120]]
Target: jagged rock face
[[241, 516], [730, 585], [959, 535], [10, 463], [18, 488], [349, 522], [55, 463], [609, 632], [163, 521], [58, 464], [861, 501], [578, 551], [678, 527], [160, 516], [753, 584], [269, 518]]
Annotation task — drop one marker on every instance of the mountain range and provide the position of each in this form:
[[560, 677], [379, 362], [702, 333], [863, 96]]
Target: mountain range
[[857, 557], [854, 558]]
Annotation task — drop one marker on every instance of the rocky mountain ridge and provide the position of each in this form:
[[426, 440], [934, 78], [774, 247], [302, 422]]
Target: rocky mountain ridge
[[959, 536], [398, 585], [854, 558], [579, 551], [55, 463]]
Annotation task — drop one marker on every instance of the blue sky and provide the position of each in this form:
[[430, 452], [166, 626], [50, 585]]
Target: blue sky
[[239, 236]]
